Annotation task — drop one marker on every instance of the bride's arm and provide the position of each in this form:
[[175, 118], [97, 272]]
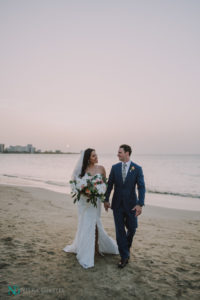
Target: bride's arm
[[103, 172]]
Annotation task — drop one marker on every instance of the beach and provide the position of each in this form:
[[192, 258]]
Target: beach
[[36, 224]]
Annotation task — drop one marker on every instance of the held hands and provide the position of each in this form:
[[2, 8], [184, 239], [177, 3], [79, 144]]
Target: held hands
[[106, 205], [138, 209]]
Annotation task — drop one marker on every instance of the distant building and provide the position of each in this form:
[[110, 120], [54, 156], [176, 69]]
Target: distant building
[[2, 147], [29, 148], [21, 149], [58, 151], [32, 149]]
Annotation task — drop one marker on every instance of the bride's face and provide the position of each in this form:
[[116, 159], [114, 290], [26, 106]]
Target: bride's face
[[93, 158]]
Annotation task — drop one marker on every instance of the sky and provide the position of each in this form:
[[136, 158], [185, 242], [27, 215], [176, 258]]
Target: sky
[[78, 74]]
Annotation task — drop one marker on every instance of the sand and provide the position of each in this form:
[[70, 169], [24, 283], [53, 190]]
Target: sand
[[36, 224]]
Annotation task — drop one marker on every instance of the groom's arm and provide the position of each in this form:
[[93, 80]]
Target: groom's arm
[[109, 189], [141, 192], [141, 187]]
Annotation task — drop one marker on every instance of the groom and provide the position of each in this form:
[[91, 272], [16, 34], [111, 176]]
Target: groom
[[126, 205]]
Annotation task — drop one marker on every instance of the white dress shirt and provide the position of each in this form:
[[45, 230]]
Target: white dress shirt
[[127, 166]]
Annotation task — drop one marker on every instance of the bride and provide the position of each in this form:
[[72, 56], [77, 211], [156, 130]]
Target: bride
[[90, 238]]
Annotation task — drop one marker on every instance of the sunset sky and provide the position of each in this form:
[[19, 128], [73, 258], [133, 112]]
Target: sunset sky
[[78, 74]]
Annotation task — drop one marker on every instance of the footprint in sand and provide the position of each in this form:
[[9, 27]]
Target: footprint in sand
[[51, 252], [181, 269], [3, 265], [7, 239]]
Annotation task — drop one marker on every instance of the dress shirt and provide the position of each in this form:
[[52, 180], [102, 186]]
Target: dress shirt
[[127, 166]]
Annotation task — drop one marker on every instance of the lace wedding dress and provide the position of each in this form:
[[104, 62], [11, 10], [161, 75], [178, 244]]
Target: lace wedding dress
[[84, 242]]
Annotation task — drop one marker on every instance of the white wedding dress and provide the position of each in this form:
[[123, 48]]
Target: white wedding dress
[[84, 242]]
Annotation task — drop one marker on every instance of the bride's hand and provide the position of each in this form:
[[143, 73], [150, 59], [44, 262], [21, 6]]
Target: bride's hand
[[106, 205]]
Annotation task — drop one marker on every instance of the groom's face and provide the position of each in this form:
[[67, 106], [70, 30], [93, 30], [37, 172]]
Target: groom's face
[[123, 156]]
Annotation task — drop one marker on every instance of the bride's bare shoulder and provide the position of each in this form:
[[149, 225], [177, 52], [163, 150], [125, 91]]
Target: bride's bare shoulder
[[101, 169]]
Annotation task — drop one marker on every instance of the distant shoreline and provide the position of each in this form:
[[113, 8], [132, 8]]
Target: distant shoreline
[[40, 153]]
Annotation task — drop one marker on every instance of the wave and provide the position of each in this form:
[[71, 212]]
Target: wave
[[10, 176], [186, 195], [56, 183], [50, 182]]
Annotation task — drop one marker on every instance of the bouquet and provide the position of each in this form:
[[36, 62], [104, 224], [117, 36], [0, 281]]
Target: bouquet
[[91, 186]]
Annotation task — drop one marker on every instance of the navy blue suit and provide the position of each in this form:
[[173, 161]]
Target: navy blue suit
[[123, 201]]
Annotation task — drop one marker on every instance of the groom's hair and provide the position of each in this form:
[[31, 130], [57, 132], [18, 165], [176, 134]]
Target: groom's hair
[[126, 148]]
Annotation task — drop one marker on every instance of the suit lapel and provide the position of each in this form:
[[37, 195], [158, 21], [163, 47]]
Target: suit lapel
[[120, 173]]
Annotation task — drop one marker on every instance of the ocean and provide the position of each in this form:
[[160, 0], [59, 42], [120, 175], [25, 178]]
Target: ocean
[[171, 180]]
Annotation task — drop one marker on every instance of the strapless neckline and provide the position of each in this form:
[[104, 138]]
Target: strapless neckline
[[94, 174]]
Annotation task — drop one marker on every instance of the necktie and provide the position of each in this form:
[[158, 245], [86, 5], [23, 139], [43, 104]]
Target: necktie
[[124, 171]]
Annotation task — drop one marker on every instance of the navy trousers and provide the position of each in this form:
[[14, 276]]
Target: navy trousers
[[125, 226]]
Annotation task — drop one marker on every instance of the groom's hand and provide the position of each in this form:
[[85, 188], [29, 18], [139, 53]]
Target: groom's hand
[[106, 205], [138, 209]]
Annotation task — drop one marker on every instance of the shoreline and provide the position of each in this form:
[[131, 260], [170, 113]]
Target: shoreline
[[37, 224], [154, 198]]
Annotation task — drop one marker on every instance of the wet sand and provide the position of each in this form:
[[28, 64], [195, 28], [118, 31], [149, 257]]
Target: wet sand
[[36, 224]]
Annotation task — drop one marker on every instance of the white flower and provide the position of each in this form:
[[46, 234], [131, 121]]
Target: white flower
[[86, 176], [101, 188], [81, 183], [99, 175], [73, 188]]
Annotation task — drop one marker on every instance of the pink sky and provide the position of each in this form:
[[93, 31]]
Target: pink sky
[[99, 74]]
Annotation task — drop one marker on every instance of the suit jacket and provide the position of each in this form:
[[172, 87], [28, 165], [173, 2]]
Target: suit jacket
[[126, 192]]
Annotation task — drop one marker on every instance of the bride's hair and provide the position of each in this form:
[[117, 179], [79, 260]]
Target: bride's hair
[[86, 160]]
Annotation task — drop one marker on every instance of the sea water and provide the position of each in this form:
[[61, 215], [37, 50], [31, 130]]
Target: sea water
[[171, 180]]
